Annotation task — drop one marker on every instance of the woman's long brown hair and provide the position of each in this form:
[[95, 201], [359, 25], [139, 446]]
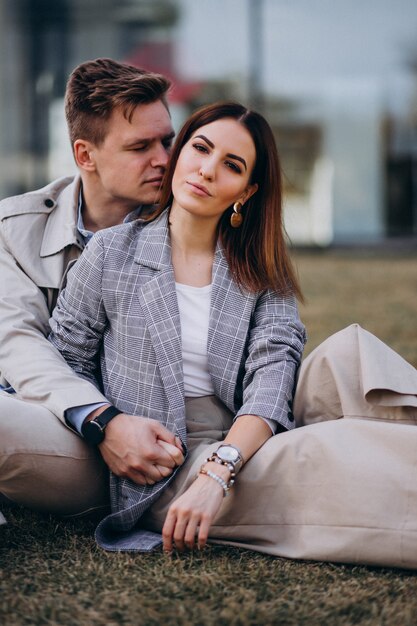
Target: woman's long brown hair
[[256, 252]]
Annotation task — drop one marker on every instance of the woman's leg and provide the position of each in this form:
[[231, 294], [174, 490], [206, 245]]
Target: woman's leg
[[354, 374], [343, 491]]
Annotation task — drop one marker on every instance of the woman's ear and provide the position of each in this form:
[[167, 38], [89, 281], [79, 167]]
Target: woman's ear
[[249, 191], [83, 154]]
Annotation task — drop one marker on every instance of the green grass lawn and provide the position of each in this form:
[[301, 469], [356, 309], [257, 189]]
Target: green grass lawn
[[51, 571]]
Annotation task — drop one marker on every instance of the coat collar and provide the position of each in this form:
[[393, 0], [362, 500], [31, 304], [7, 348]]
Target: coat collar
[[154, 246], [61, 226], [160, 306]]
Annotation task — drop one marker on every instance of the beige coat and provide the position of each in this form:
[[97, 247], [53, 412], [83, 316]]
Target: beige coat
[[39, 241]]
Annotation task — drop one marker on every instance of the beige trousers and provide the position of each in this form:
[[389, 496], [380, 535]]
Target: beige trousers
[[44, 465], [340, 490], [337, 490]]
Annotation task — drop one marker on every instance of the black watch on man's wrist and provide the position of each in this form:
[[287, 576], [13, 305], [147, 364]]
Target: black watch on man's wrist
[[93, 430]]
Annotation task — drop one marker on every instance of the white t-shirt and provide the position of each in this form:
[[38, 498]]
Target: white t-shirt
[[194, 308]]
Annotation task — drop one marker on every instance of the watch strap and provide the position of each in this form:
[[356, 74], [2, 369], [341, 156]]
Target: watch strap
[[107, 415], [93, 429]]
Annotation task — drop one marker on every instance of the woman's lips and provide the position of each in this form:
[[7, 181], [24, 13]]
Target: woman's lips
[[200, 190]]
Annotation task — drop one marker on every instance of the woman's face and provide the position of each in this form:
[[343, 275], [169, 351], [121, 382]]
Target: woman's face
[[214, 169]]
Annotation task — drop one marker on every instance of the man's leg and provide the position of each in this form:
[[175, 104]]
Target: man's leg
[[44, 465], [354, 374]]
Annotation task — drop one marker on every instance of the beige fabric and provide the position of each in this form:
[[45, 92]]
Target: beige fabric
[[44, 465], [38, 242], [344, 490], [354, 374]]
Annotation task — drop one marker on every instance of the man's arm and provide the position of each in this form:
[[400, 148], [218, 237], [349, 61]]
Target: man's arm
[[39, 374], [28, 361], [137, 447]]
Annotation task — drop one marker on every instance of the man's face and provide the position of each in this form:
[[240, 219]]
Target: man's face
[[131, 161]]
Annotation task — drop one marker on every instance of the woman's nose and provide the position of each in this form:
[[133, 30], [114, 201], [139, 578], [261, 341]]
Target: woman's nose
[[207, 171]]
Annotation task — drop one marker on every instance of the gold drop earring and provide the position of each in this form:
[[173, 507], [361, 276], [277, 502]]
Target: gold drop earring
[[236, 218]]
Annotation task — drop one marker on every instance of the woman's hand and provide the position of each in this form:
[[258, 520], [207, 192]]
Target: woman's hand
[[193, 513]]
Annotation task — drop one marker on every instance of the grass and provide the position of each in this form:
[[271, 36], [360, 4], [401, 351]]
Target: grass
[[376, 290], [52, 573]]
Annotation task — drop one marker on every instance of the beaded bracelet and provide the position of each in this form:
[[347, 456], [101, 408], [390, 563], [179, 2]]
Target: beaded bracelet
[[215, 459], [225, 486]]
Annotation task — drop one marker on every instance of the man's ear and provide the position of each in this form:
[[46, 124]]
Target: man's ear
[[84, 155]]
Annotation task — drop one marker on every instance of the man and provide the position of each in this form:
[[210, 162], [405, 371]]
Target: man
[[121, 133]]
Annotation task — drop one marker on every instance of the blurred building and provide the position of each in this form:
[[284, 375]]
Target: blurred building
[[41, 41], [337, 81]]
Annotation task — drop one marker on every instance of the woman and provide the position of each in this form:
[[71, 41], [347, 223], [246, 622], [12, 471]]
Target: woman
[[205, 305], [194, 319]]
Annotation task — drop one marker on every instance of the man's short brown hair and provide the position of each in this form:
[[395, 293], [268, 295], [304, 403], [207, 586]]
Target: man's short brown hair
[[96, 88]]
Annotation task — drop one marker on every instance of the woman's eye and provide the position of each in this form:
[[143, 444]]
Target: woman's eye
[[233, 166], [200, 147]]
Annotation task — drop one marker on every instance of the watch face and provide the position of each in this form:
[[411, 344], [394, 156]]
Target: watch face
[[93, 432], [227, 453]]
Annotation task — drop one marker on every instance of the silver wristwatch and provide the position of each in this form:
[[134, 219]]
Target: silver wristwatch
[[229, 455]]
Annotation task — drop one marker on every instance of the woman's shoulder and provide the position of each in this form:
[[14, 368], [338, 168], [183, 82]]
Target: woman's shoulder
[[123, 240], [108, 237], [130, 231]]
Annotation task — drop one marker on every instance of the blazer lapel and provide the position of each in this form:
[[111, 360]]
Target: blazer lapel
[[230, 316], [159, 303]]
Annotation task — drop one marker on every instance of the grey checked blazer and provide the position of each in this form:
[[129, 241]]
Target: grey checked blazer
[[117, 324]]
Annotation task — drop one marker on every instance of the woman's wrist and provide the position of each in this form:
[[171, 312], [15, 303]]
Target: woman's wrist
[[220, 470], [206, 474]]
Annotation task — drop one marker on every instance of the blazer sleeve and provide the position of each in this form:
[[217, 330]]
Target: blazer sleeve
[[28, 362], [79, 319], [276, 342]]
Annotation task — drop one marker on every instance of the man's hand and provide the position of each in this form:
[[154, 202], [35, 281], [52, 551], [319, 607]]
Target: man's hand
[[141, 449]]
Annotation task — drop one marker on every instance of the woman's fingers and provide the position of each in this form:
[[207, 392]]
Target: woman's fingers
[[179, 531], [192, 514], [173, 451], [168, 531], [163, 471], [203, 532], [190, 532]]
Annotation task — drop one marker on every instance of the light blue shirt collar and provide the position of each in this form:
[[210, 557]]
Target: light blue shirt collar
[[87, 234]]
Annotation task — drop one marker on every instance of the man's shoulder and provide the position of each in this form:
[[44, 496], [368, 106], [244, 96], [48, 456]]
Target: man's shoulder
[[42, 200]]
